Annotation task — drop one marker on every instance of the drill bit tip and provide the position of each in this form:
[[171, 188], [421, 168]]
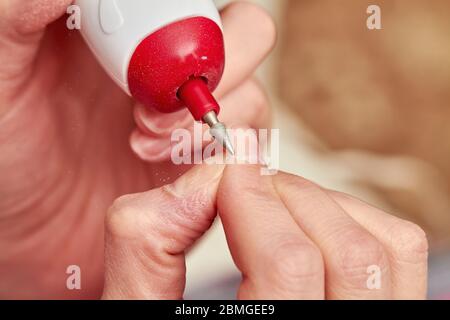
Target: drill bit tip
[[228, 145], [219, 131]]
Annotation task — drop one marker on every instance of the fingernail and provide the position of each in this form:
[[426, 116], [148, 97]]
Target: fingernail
[[203, 177]]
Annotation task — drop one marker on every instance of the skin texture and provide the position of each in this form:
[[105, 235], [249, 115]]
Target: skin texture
[[306, 242], [65, 146], [276, 234]]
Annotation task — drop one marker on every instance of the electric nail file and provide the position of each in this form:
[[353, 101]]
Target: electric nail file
[[167, 54]]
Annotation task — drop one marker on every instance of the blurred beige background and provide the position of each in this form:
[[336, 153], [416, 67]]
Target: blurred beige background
[[363, 112]]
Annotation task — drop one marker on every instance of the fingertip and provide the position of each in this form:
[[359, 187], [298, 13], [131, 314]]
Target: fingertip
[[246, 47], [236, 184], [265, 23]]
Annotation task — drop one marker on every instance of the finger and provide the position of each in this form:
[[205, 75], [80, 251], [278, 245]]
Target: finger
[[348, 249], [147, 235], [246, 44], [405, 242], [246, 106], [277, 260]]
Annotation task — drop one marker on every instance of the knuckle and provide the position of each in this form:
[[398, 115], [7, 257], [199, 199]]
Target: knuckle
[[120, 220], [122, 202], [296, 263], [359, 253], [409, 242]]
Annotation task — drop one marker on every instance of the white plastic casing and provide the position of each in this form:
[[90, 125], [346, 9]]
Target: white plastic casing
[[114, 28]]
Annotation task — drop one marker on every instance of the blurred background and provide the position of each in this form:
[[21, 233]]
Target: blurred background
[[361, 111]]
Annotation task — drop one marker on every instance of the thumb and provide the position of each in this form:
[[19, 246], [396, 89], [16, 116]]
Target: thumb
[[147, 235]]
